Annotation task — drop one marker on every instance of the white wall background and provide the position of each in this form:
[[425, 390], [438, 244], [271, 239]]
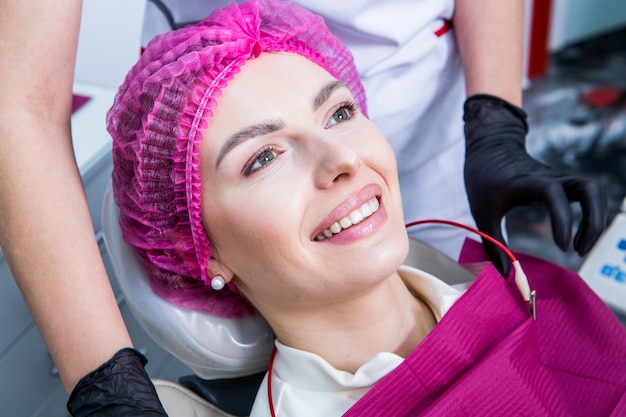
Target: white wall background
[[110, 40]]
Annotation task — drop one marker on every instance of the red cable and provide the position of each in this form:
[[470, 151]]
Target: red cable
[[471, 229], [270, 372]]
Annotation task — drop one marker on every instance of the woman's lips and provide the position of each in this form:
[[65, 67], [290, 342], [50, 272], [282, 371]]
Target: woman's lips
[[354, 217], [352, 211]]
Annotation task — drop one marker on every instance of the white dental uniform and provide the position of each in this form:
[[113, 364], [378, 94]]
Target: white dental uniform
[[305, 385], [411, 70]]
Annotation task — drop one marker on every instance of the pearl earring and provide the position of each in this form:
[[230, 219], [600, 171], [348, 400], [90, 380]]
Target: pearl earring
[[217, 282]]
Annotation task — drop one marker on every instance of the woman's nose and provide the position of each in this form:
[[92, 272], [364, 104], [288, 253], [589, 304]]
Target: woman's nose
[[335, 160]]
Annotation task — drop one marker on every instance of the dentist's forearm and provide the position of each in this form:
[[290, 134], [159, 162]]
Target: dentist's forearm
[[46, 232], [490, 36]]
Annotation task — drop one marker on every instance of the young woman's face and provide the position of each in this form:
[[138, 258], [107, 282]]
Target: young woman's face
[[288, 163]]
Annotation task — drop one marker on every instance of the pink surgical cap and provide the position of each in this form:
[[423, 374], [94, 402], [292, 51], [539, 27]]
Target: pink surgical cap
[[157, 122]]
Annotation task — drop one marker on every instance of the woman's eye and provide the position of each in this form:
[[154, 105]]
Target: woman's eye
[[261, 159], [343, 113]]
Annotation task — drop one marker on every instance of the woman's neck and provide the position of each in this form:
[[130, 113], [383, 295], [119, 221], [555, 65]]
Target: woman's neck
[[348, 334]]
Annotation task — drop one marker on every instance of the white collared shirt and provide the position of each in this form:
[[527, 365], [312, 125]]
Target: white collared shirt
[[305, 385]]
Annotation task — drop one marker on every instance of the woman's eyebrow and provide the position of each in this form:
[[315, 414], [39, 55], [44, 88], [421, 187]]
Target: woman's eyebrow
[[264, 128], [258, 129], [326, 92]]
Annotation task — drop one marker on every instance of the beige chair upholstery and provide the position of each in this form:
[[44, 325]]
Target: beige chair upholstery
[[178, 401], [425, 257]]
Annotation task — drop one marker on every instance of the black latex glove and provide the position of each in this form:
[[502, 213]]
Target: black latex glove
[[118, 388], [500, 175]]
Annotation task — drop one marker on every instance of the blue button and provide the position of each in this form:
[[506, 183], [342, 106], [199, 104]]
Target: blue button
[[622, 244], [607, 270], [620, 277]]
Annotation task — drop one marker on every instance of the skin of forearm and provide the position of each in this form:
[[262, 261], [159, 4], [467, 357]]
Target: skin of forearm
[[490, 37], [46, 232]]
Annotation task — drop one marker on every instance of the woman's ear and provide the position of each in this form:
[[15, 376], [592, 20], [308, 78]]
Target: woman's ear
[[219, 273]]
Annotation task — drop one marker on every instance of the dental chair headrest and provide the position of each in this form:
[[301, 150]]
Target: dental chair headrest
[[213, 347]]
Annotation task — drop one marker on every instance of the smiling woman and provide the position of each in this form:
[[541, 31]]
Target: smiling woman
[[267, 197], [322, 166], [250, 181]]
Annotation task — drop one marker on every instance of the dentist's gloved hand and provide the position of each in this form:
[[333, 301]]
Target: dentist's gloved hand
[[118, 388], [500, 175]]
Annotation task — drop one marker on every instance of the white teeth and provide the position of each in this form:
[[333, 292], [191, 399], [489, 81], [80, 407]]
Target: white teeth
[[355, 217], [345, 222], [373, 205], [367, 210]]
